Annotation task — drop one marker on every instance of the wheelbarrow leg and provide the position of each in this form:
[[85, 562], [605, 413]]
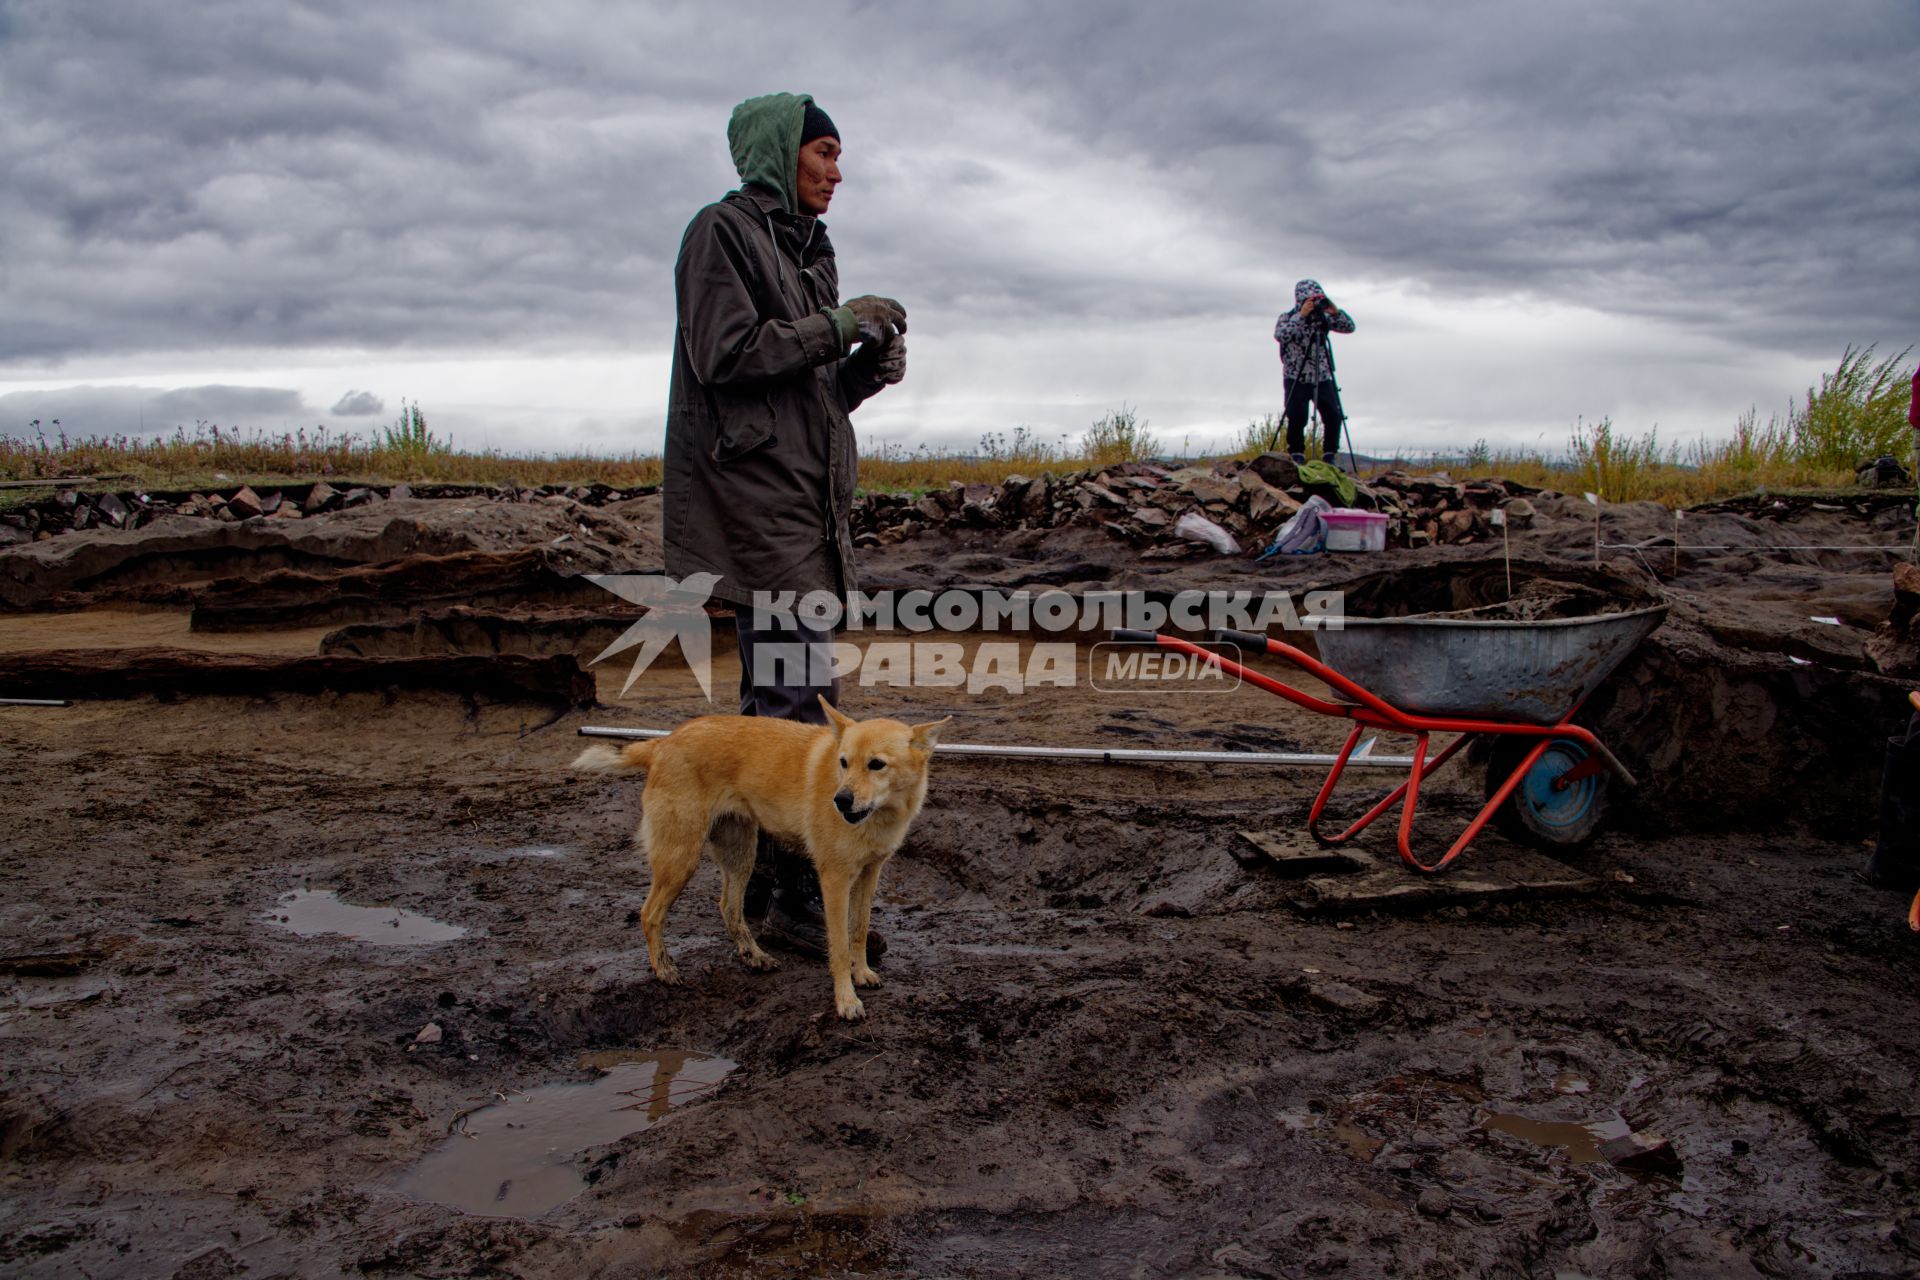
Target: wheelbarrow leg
[[1480, 820], [1386, 802], [1412, 788], [1326, 793]]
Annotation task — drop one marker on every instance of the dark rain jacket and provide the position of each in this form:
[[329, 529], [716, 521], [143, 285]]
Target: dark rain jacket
[[760, 460]]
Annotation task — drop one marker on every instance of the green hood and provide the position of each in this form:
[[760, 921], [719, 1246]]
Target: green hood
[[764, 137]]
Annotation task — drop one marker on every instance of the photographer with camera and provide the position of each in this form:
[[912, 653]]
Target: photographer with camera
[[1306, 366]]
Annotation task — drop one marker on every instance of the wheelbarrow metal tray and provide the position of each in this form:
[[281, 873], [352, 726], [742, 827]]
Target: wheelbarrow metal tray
[[1529, 672]]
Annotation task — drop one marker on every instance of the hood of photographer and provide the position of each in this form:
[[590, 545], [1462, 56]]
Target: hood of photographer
[[763, 136], [1307, 289]]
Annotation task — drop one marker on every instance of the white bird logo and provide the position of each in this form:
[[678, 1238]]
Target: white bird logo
[[674, 610]]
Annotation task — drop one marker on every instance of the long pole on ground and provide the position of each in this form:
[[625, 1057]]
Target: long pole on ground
[[1361, 759]]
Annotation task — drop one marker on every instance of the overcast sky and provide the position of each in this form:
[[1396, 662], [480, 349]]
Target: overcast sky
[[277, 216]]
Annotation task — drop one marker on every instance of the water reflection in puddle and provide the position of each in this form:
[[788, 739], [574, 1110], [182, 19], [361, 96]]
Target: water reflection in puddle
[[319, 911], [516, 1158], [1580, 1141]]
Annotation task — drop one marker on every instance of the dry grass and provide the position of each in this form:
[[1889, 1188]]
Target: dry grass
[[201, 457], [1857, 412]]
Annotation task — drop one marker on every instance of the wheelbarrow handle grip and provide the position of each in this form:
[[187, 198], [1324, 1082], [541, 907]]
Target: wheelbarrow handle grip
[[1245, 639], [1127, 636]]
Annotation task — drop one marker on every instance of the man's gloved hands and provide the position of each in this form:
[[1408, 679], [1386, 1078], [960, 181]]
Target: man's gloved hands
[[879, 318], [893, 362]]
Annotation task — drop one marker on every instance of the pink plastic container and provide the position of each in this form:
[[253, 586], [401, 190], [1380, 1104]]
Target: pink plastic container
[[1352, 530]]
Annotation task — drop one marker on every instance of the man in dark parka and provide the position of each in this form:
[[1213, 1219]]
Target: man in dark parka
[[760, 458]]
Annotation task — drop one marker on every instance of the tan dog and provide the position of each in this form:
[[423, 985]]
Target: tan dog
[[846, 791]]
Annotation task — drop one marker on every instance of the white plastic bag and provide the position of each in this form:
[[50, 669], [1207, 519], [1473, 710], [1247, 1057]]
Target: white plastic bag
[[1198, 528]]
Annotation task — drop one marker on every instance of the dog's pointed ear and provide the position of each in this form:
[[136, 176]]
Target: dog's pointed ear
[[925, 735], [836, 720]]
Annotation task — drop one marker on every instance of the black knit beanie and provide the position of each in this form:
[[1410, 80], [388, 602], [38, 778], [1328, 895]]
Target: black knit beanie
[[818, 125]]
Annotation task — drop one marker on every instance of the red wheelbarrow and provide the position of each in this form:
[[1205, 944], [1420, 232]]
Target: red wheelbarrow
[[1515, 684]]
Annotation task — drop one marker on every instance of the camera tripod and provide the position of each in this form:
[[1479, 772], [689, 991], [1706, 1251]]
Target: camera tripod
[[1317, 424]]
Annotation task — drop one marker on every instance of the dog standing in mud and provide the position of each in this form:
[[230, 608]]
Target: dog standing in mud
[[846, 791]]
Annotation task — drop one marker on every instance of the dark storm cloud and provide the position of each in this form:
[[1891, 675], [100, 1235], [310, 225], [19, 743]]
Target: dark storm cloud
[[486, 176], [359, 404], [89, 409], [1751, 169]]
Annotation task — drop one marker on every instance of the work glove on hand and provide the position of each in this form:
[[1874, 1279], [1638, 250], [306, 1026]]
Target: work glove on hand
[[893, 362], [878, 318]]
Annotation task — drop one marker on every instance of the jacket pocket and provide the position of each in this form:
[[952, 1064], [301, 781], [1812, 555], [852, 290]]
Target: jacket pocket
[[742, 424]]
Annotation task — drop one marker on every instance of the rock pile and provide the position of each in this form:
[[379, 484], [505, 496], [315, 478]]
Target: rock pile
[[1142, 501], [72, 509]]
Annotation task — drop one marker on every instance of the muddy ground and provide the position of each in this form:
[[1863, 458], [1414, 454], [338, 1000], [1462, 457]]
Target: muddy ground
[[1111, 1040]]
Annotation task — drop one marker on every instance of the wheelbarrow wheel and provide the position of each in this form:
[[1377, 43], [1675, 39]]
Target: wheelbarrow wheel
[[1543, 811]]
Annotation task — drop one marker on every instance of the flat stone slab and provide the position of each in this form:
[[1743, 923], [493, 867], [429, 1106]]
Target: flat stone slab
[[1294, 853], [1373, 876]]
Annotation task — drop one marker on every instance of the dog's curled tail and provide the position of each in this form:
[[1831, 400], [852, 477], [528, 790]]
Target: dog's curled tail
[[632, 758]]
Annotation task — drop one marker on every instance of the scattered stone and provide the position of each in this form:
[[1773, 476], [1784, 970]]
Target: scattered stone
[[1277, 469], [980, 503], [1151, 517], [318, 497], [244, 505], [111, 509], [1648, 1152], [1211, 488], [357, 498], [1520, 513], [1457, 526], [1435, 1203], [271, 503], [1334, 994], [1036, 501]]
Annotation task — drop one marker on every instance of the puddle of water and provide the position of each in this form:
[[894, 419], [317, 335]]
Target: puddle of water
[[516, 1158], [536, 851], [309, 912], [1581, 1142], [1360, 1144]]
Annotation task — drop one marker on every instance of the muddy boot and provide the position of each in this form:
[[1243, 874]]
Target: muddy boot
[[1896, 857], [796, 920], [759, 895]]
